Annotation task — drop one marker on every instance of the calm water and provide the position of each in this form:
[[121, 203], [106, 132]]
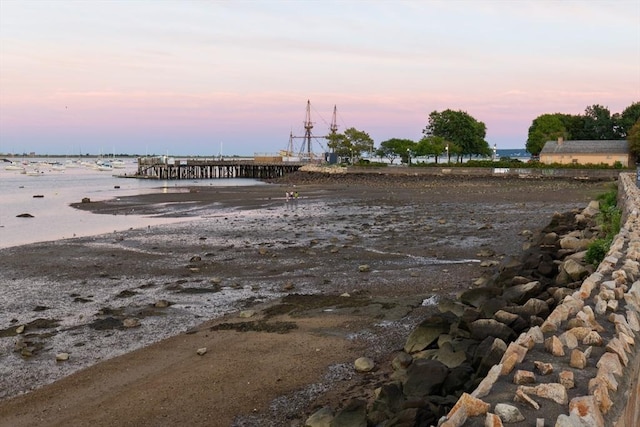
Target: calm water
[[54, 219]]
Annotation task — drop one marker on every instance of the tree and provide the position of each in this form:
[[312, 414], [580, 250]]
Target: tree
[[461, 129], [598, 123], [633, 137], [624, 121], [431, 146], [394, 148], [547, 127], [352, 143]]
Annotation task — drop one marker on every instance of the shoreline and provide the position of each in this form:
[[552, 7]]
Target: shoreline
[[400, 234]]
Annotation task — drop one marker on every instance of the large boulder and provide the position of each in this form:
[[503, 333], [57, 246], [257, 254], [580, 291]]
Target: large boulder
[[483, 328], [477, 296], [521, 293], [352, 415], [428, 332], [424, 377]]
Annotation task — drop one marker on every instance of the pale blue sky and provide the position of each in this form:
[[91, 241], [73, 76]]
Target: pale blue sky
[[185, 77]]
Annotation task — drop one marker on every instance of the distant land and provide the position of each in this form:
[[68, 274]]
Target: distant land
[[514, 153]]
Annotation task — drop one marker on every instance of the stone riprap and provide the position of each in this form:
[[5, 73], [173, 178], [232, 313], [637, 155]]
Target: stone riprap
[[587, 343], [546, 340]]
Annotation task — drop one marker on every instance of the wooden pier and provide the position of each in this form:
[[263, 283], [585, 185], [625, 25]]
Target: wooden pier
[[168, 168]]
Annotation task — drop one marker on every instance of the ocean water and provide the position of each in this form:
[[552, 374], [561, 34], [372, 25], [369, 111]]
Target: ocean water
[[54, 219]]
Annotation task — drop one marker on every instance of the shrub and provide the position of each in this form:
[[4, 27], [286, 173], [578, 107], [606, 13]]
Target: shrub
[[597, 250]]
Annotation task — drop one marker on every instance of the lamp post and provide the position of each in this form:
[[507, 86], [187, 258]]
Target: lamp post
[[448, 154], [408, 157], [495, 149]]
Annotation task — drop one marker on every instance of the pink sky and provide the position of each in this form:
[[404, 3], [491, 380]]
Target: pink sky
[[185, 77]]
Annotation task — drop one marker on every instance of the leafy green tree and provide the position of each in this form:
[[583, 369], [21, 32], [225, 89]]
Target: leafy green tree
[[352, 143], [431, 146], [394, 148], [547, 127], [461, 129], [633, 137], [598, 123], [624, 121]]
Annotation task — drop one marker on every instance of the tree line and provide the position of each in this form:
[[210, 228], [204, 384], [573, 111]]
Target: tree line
[[456, 134], [597, 123]]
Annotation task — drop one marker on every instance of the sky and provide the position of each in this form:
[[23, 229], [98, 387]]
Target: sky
[[234, 77]]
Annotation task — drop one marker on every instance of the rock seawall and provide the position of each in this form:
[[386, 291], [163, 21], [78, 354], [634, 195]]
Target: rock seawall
[[587, 341]]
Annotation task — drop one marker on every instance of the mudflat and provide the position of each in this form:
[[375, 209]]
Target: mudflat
[[253, 310]]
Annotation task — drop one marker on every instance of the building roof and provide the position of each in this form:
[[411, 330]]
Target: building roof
[[586, 147]]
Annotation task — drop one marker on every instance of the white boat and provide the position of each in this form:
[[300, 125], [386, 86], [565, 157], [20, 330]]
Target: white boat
[[58, 167], [14, 167], [105, 167], [32, 172], [117, 163]]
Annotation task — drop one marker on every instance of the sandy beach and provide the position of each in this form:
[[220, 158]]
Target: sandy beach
[[253, 313]]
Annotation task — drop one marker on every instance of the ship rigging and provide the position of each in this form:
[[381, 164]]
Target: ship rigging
[[305, 150]]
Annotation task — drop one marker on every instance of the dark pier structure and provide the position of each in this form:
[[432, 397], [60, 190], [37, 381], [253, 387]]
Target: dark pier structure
[[164, 167]]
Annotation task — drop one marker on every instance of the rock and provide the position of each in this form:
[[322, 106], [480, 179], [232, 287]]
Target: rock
[[401, 361], [574, 244], [521, 396], [489, 353], [485, 253], [521, 293], [390, 399], [427, 332], [593, 338], [86, 200], [201, 351], [424, 378], [471, 406], [24, 215], [20, 329], [586, 409], [524, 377], [477, 296], [508, 413], [485, 386], [130, 322], [195, 258], [483, 328], [247, 313], [575, 270], [554, 346], [578, 359], [62, 357], [321, 418], [543, 368], [364, 364], [163, 303], [566, 379], [364, 268], [448, 356], [551, 391], [492, 420], [352, 415]]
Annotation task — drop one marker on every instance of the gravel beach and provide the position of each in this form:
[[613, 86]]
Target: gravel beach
[[251, 311]]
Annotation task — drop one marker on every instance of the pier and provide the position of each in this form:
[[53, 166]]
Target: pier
[[164, 167]]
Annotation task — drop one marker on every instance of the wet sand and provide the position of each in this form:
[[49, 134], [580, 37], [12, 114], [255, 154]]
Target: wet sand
[[369, 250]]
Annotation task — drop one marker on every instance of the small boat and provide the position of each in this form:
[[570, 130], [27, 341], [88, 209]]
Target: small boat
[[117, 163], [14, 167], [105, 167], [32, 172]]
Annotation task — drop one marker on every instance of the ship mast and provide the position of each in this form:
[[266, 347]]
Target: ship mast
[[334, 123], [308, 125]]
